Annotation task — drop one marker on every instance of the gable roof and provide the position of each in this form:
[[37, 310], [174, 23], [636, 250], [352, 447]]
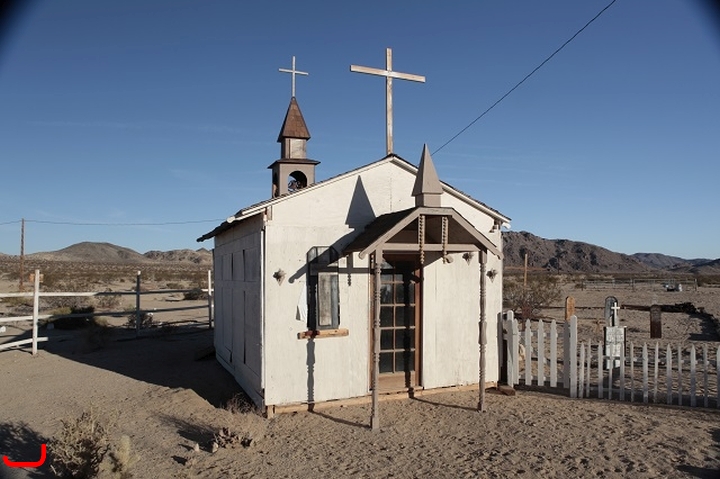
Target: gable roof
[[382, 229], [259, 207]]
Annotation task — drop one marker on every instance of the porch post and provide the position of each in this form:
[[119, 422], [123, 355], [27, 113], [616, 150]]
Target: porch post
[[483, 332], [375, 418]]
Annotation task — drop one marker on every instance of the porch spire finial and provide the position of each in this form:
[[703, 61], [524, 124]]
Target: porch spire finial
[[427, 189]]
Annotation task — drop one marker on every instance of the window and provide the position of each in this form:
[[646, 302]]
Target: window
[[323, 288]]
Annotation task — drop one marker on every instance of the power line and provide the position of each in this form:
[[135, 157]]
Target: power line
[[10, 222], [166, 223], [526, 77]]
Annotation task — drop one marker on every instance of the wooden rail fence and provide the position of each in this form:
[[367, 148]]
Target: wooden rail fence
[[36, 294]]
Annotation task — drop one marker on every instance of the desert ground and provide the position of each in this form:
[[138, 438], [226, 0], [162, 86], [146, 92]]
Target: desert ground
[[157, 393]]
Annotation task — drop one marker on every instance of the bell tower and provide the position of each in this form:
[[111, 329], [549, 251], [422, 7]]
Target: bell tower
[[293, 171]]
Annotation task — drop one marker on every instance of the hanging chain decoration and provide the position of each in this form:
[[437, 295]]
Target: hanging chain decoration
[[421, 237], [444, 239]]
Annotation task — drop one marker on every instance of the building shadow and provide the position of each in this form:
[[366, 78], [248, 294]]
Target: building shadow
[[449, 406], [180, 359]]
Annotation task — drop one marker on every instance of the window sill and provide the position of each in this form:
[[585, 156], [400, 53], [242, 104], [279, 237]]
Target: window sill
[[323, 333]]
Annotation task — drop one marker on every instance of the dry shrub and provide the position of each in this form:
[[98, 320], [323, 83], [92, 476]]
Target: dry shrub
[[79, 448], [246, 418], [82, 449], [527, 300], [195, 294], [109, 301], [146, 319], [119, 460], [240, 404]]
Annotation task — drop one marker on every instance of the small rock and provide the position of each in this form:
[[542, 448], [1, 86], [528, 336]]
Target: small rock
[[215, 447], [196, 447]]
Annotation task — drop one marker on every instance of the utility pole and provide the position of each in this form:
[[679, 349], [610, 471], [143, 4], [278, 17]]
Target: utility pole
[[22, 254]]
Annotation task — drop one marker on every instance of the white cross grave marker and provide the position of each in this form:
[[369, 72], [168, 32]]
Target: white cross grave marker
[[293, 72], [389, 74]]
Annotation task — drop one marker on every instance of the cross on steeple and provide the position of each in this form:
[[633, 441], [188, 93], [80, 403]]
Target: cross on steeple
[[389, 74], [293, 72]]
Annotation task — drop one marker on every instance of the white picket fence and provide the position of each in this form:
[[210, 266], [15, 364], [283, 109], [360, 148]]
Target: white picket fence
[[36, 294], [533, 354], [670, 374], [548, 355]]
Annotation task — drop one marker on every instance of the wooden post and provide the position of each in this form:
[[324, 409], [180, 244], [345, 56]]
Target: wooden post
[[483, 332], [375, 417], [210, 297], [573, 356], [645, 372], [513, 343], [21, 286], [553, 354], [668, 374], [138, 319], [36, 310]]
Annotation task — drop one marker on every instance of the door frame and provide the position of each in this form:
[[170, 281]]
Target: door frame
[[395, 382]]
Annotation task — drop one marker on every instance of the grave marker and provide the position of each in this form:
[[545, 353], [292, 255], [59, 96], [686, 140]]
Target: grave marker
[[655, 321], [569, 307], [614, 335], [611, 308]]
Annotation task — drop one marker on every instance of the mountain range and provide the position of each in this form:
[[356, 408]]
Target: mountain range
[[567, 256], [555, 255]]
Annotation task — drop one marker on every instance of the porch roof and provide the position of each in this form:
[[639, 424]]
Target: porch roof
[[400, 231]]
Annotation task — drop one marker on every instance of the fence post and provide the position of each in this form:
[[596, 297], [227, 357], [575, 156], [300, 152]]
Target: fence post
[[573, 356], [210, 299], [512, 348], [36, 310], [138, 319]]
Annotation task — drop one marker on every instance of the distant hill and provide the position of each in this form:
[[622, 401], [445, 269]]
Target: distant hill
[[89, 252], [566, 256], [662, 261], [92, 253], [708, 268], [201, 256]]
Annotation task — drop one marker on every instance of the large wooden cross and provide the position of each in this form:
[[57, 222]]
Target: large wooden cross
[[293, 72], [389, 74]]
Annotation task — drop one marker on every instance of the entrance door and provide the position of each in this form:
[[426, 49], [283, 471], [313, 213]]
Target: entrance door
[[399, 323]]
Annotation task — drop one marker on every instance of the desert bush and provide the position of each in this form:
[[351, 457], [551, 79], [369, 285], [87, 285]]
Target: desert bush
[[174, 285], [75, 322], [146, 319], [240, 404], [79, 448], [110, 301], [83, 449], [195, 294], [97, 334], [526, 302], [120, 460]]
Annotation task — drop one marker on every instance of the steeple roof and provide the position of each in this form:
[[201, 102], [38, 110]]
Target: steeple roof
[[427, 184], [294, 123]]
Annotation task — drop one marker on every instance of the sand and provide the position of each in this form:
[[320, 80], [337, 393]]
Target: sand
[[154, 391]]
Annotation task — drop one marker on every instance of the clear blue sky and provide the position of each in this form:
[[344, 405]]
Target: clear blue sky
[[164, 111]]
